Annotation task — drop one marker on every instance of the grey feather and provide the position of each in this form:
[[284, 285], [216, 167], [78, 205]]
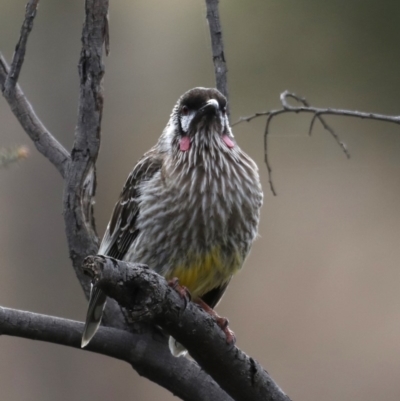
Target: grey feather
[[97, 303], [119, 236]]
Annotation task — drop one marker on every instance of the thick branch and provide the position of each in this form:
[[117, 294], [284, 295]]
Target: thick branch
[[148, 296], [153, 360], [80, 184], [43, 140], [220, 68]]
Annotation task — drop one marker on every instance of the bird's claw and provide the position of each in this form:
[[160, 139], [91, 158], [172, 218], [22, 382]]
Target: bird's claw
[[223, 324], [181, 290]]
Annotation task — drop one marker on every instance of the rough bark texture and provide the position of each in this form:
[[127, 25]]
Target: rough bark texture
[[148, 296], [80, 183], [217, 45], [149, 359]]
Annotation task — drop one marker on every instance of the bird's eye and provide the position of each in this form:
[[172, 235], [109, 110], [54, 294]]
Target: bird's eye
[[185, 111]]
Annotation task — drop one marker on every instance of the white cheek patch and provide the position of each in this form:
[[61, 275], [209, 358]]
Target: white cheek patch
[[224, 119], [186, 120]]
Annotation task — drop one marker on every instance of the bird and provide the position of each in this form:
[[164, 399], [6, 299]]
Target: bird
[[189, 209]]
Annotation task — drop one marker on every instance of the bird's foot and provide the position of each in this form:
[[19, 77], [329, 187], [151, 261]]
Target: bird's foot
[[180, 289], [222, 322]]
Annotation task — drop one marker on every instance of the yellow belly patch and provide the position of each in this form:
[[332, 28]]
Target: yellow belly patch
[[202, 273]]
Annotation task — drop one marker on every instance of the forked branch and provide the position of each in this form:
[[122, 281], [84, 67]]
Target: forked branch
[[43, 140], [318, 113]]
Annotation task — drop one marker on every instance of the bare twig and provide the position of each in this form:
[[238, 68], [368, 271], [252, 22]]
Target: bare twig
[[307, 106], [217, 45], [145, 293], [151, 359], [20, 106], [266, 159], [43, 140], [317, 114], [20, 49]]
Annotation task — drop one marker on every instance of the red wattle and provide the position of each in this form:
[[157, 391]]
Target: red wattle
[[184, 144], [228, 141]]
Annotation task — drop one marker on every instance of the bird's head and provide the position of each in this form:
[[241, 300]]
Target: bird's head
[[198, 121]]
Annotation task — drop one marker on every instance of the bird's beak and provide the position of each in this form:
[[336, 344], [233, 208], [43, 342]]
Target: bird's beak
[[208, 113], [210, 108]]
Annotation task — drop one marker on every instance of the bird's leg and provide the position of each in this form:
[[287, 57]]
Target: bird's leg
[[222, 322], [180, 289]]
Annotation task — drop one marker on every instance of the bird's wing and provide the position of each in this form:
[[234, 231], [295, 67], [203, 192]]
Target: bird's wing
[[120, 234], [122, 231]]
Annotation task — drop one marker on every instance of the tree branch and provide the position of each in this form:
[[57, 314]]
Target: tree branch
[[80, 183], [147, 296], [20, 48], [217, 45], [43, 140], [179, 375], [20, 106], [317, 114]]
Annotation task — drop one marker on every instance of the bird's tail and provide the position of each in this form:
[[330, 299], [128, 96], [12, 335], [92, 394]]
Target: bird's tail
[[97, 302]]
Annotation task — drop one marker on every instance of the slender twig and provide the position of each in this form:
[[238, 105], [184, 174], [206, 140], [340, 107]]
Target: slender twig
[[20, 49], [20, 106], [305, 103], [317, 114], [217, 45], [145, 293], [317, 111], [266, 159], [151, 359], [43, 140]]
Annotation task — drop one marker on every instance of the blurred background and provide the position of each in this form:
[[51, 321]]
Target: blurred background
[[317, 303]]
